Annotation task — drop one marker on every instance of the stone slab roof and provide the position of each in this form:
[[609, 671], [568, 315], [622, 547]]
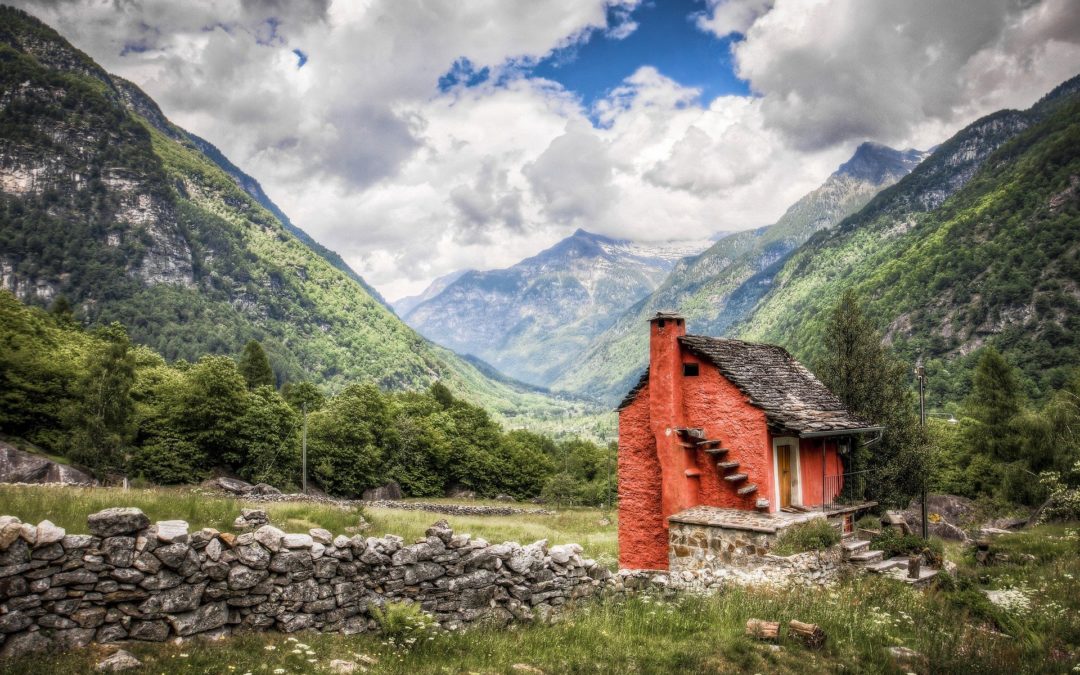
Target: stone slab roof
[[632, 394], [789, 394], [774, 381]]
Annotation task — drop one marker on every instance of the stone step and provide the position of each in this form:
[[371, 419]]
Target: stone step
[[899, 562], [855, 545], [735, 478], [749, 489], [730, 464], [692, 432], [866, 556], [713, 441], [692, 473], [716, 451]]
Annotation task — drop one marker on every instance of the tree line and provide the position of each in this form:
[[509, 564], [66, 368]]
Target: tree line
[[117, 408], [996, 445]]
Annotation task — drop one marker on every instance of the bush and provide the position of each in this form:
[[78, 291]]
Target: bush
[[166, 461], [892, 543], [399, 619], [815, 535]]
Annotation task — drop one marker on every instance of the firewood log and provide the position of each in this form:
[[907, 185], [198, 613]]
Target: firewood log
[[810, 633], [763, 630]]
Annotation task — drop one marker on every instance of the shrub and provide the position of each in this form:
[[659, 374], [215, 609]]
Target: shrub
[[815, 535], [166, 461], [399, 619], [892, 543]]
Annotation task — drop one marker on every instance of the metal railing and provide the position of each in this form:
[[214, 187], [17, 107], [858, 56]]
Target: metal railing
[[844, 489]]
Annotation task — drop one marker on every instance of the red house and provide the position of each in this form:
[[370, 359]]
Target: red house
[[722, 423]]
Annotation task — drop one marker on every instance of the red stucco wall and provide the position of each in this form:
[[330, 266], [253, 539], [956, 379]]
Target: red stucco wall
[[810, 464], [642, 535], [717, 406]]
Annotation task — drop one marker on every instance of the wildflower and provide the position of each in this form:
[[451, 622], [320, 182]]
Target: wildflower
[[269, 648]]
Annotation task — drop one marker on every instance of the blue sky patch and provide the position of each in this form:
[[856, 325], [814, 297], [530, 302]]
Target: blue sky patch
[[301, 58], [666, 38]]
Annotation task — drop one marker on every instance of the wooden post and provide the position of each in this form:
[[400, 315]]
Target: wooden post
[[762, 630], [914, 562], [810, 633]]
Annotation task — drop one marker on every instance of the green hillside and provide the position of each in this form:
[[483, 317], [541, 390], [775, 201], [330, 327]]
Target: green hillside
[[997, 262], [124, 215]]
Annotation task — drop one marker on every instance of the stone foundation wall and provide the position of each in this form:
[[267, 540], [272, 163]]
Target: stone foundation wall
[[130, 580], [709, 555]]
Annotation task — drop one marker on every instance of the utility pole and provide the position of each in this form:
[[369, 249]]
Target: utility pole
[[920, 373], [303, 446]]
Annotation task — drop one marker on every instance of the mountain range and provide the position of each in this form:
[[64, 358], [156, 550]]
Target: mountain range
[[134, 220], [532, 320], [716, 288]]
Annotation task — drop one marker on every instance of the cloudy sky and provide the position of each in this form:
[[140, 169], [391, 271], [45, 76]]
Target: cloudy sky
[[416, 137]]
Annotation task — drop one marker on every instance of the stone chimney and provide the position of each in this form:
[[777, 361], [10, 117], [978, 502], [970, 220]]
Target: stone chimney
[[679, 482]]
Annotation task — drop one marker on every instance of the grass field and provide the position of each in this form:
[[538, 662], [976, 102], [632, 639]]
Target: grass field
[[953, 625], [594, 529]]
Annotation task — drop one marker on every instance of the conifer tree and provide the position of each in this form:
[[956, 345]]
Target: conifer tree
[[255, 366], [875, 385]]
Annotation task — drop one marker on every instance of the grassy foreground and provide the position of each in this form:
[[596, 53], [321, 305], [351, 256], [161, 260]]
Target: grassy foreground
[[1035, 628]]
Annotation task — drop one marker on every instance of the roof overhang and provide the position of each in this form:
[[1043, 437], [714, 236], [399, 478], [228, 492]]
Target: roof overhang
[[840, 432]]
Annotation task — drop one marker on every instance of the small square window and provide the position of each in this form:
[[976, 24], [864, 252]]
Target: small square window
[[690, 369]]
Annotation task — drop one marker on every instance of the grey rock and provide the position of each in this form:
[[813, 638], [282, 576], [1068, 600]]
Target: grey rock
[[173, 555], [119, 551], [242, 577], [422, 571], [390, 490], [73, 542], [149, 631], [297, 541], [73, 638], [12, 622], [18, 466], [172, 531], [253, 555], [288, 562], [207, 617], [270, 537], [321, 536], [116, 521], [118, 661], [74, 577], [48, 533], [183, 598], [24, 644], [162, 580]]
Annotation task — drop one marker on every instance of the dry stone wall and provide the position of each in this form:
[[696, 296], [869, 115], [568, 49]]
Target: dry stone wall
[[132, 580]]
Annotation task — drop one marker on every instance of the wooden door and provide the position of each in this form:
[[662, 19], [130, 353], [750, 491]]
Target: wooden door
[[783, 467]]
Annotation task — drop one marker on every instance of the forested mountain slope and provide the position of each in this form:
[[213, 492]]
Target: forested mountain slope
[[716, 288], [102, 200], [979, 245]]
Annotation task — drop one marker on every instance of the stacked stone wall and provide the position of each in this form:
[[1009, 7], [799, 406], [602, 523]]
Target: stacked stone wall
[[709, 554], [131, 580]]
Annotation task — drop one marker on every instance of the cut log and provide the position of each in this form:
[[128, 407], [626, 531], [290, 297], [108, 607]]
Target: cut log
[[810, 634], [762, 630]]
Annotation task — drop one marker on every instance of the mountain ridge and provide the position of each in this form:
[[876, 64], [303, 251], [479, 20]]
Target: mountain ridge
[[716, 287], [530, 319]]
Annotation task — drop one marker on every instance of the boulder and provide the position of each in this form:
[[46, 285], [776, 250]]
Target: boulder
[[118, 661], [503, 498], [19, 466], [264, 489], [297, 541], [390, 491], [231, 485], [116, 521]]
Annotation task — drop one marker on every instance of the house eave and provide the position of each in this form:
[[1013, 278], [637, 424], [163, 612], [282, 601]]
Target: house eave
[[840, 432]]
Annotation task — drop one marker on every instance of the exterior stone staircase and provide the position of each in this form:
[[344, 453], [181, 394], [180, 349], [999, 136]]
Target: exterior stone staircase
[[694, 439], [858, 551]]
